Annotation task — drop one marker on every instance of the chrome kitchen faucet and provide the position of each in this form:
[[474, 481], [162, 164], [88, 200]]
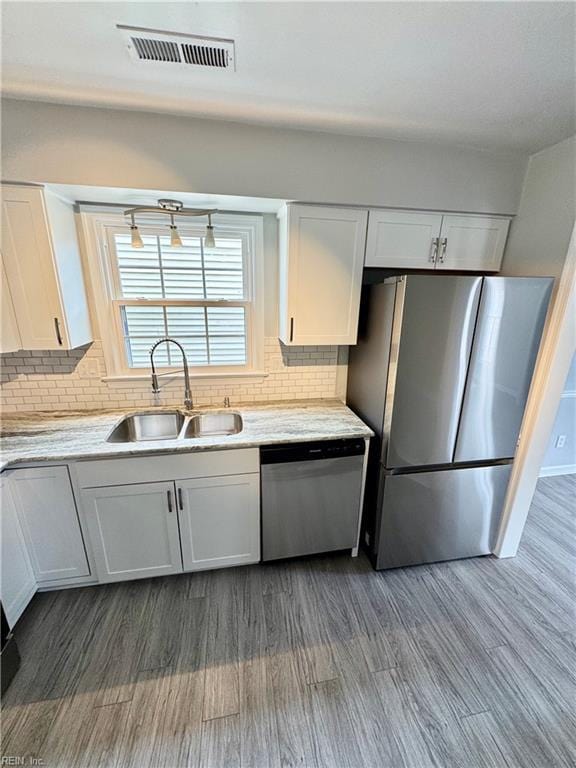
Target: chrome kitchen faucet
[[188, 404]]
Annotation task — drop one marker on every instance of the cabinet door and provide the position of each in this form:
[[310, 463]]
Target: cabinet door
[[472, 242], [321, 261], [219, 521], [18, 584], [9, 333], [133, 530], [402, 240], [47, 512], [30, 269]]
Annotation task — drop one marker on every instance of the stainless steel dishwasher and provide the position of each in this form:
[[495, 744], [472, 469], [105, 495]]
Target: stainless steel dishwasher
[[310, 497]]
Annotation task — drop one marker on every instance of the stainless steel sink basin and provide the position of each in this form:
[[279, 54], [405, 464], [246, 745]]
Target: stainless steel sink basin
[[218, 423], [165, 425]]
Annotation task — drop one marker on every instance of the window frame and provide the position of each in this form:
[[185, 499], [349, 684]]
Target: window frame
[[99, 229]]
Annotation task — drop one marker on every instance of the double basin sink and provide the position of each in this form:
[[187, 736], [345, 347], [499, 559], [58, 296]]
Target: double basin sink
[[171, 425]]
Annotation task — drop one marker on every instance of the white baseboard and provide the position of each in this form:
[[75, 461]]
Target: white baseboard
[[561, 469]]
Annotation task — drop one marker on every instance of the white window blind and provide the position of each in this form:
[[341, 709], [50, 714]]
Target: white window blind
[[196, 295]]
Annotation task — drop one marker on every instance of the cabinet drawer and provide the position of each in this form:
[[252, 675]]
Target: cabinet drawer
[[171, 466]]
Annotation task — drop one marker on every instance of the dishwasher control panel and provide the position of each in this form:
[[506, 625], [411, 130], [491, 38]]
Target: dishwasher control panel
[[321, 449]]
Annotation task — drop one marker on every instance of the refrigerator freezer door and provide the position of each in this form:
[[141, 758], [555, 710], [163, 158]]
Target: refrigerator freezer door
[[442, 515], [425, 391], [510, 322]]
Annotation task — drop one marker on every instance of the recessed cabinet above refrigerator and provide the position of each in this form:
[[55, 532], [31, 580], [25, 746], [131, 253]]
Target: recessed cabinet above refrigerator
[[417, 240]]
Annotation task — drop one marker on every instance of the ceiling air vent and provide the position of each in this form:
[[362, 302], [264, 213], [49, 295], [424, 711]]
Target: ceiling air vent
[[152, 45]]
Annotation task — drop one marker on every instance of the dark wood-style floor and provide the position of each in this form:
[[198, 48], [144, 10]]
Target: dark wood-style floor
[[316, 663]]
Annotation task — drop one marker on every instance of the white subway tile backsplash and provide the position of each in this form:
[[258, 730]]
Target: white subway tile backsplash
[[55, 380]]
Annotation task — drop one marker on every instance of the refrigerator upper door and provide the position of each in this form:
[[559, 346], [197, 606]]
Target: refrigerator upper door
[[369, 359], [441, 515], [433, 339], [510, 322]]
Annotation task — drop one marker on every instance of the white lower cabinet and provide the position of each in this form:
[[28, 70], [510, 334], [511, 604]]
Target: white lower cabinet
[[219, 521], [17, 580], [47, 513], [133, 530]]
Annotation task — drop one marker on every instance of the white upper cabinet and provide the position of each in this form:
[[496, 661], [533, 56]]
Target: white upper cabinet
[[472, 242], [47, 513], [17, 581], [9, 334], [43, 269], [412, 240], [402, 240], [321, 261]]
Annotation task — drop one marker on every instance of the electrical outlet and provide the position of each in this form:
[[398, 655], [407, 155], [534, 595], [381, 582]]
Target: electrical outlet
[[88, 368], [560, 441]]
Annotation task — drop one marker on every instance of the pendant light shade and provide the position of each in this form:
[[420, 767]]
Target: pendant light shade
[[135, 238], [209, 241], [175, 240]]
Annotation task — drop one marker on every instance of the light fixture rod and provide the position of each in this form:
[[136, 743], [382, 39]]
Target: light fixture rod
[[166, 212]]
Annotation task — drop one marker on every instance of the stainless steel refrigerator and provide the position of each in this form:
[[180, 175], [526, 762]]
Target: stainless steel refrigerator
[[441, 373]]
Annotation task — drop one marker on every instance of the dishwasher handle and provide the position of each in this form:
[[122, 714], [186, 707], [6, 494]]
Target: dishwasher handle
[[313, 451]]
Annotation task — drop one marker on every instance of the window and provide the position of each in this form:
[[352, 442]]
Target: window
[[202, 297]]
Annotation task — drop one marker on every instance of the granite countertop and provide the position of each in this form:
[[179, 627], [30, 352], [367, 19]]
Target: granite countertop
[[67, 436]]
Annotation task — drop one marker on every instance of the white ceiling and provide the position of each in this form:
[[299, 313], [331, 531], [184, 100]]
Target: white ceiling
[[497, 75]]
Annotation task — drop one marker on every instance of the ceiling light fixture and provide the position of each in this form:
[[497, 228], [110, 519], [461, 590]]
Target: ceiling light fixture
[[175, 240], [171, 208], [209, 241], [135, 238]]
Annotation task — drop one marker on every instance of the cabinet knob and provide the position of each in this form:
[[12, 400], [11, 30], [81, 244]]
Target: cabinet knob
[[180, 499], [170, 508], [434, 253]]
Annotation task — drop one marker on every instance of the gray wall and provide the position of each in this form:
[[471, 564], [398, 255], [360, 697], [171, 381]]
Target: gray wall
[[537, 245], [540, 233], [563, 460], [114, 148]]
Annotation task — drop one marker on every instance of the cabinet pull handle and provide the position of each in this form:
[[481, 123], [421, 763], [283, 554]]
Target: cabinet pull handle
[[443, 251], [291, 329], [180, 499], [170, 509], [58, 334], [434, 253]]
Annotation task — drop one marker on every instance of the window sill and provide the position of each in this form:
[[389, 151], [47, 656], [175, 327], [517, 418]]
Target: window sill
[[166, 377]]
